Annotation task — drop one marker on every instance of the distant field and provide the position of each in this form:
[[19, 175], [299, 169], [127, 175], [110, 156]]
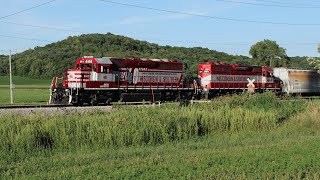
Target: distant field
[[26, 90], [23, 82]]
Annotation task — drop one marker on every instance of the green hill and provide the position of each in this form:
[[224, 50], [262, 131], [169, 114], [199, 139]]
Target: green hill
[[53, 59]]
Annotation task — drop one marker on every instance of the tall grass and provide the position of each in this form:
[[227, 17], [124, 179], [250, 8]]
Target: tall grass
[[127, 126]]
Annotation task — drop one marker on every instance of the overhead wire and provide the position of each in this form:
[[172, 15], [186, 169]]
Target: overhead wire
[[289, 3], [24, 10], [150, 8], [24, 38], [2, 50], [43, 27], [148, 39], [21, 11], [210, 17], [270, 5]]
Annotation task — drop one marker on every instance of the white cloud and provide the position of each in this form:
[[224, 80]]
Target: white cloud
[[157, 18]]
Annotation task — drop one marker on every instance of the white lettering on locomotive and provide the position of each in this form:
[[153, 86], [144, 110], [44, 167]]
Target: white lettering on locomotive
[[86, 61], [105, 85]]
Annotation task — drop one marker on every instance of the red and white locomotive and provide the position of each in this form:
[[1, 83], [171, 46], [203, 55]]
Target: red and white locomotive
[[221, 78], [104, 80]]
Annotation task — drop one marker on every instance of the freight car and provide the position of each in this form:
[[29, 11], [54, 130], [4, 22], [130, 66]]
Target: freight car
[[104, 80], [299, 81]]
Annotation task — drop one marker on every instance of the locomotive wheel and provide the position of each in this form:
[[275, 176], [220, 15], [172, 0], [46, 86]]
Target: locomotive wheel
[[94, 102], [108, 101]]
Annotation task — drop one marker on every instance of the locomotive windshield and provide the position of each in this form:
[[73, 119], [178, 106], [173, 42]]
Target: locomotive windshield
[[266, 74], [84, 66]]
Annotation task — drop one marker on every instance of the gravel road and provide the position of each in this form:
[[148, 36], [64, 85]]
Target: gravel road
[[53, 110]]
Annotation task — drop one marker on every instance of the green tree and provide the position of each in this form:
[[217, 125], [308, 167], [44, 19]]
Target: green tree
[[269, 53], [314, 62]]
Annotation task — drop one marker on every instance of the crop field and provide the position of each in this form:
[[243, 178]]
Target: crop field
[[26, 91], [248, 136]]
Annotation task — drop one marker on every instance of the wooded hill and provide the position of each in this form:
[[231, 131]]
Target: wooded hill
[[55, 58]]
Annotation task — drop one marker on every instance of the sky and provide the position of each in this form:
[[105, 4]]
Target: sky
[[230, 26]]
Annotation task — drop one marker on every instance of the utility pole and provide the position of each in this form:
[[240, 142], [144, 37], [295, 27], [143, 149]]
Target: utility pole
[[11, 85]]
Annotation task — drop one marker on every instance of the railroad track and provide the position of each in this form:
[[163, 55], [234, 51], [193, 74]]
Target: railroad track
[[32, 106], [310, 97], [39, 106], [56, 109], [49, 109]]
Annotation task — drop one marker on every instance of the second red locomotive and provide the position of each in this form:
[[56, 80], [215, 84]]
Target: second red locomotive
[[221, 78]]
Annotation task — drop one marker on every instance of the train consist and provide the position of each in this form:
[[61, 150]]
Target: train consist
[[104, 80]]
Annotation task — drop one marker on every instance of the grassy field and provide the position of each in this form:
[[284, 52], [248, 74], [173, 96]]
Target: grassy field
[[249, 136], [25, 96], [23, 81], [26, 90]]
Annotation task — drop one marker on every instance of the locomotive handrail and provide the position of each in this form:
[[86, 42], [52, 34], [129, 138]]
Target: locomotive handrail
[[158, 83], [127, 83], [150, 82], [54, 82], [118, 81]]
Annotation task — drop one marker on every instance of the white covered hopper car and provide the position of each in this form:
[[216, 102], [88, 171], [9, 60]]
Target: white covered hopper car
[[299, 81]]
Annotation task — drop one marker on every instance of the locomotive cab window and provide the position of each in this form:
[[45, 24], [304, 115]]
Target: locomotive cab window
[[266, 74], [84, 66], [88, 66], [226, 69], [217, 69], [104, 69]]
